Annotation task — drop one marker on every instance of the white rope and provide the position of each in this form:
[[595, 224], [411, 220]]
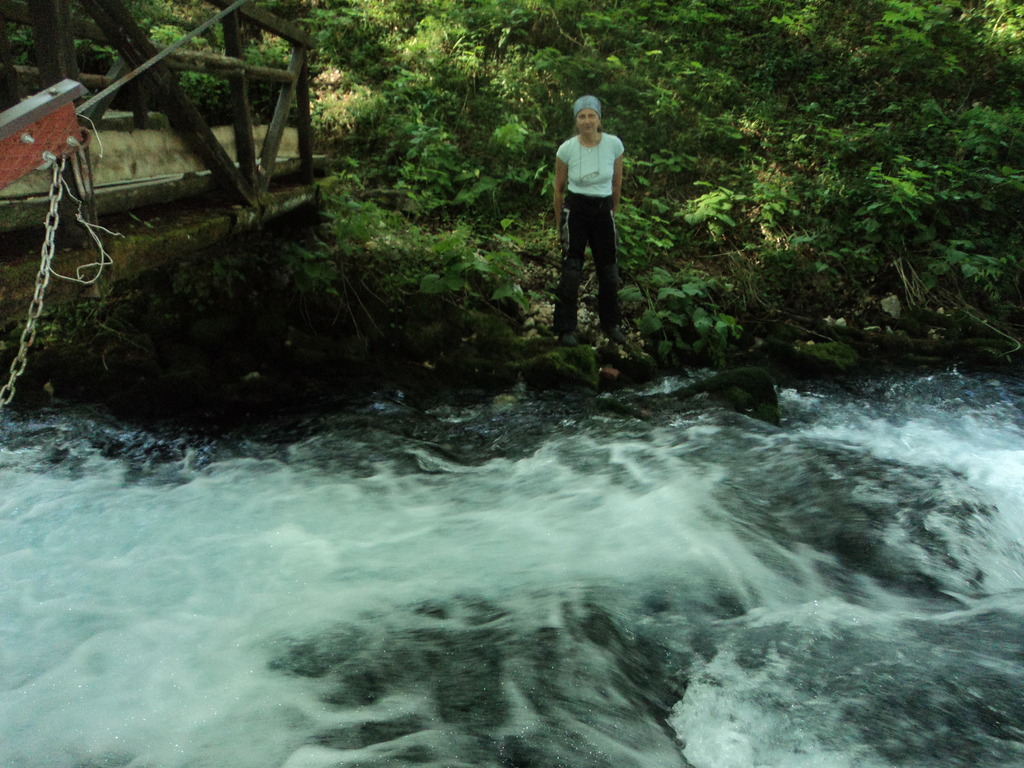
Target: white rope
[[91, 229], [94, 132]]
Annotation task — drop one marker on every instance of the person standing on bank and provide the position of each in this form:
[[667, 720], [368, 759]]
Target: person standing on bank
[[588, 185]]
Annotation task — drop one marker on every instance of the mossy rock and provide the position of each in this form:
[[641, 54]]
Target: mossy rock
[[431, 326], [466, 367], [827, 357], [425, 341], [926, 323], [783, 332], [491, 332], [562, 368], [634, 365], [612, 406], [487, 352], [984, 351], [934, 319], [900, 344], [159, 322], [750, 391], [184, 358]]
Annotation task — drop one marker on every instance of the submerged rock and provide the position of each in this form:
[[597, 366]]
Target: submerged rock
[[823, 358], [563, 368], [750, 391], [554, 681]]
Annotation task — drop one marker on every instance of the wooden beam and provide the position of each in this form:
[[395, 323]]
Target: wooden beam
[[303, 125], [111, 199], [161, 55], [95, 112], [133, 45], [140, 249], [275, 130], [221, 67], [18, 12], [54, 42], [31, 76], [227, 67], [10, 90], [245, 147], [192, 61], [264, 19]]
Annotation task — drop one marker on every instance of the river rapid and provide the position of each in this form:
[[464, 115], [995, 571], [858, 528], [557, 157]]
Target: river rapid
[[528, 581]]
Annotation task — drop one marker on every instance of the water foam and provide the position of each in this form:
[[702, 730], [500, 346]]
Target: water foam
[[138, 619]]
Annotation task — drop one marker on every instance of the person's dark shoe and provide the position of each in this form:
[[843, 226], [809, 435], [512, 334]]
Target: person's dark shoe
[[616, 335], [568, 340]]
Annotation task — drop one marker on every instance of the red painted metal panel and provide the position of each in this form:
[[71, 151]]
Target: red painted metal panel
[[54, 135]]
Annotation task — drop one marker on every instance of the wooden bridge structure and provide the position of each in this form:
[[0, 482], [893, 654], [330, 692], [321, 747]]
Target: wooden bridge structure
[[157, 148]]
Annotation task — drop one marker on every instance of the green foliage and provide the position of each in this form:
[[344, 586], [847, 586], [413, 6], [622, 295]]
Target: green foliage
[[473, 274], [211, 96], [817, 152], [806, 152], [366, 244], [511, 135], [167, 21], [684, 318], [647, 235], [436, 175], [713, 209], [311, 271], [21, 41], [205, 283]]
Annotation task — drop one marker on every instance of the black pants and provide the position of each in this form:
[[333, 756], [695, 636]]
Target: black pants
[[587, 221]]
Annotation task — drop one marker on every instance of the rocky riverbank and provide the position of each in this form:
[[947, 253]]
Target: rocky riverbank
[[197, 344]]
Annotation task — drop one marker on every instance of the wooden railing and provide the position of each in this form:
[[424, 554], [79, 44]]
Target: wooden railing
[[144, 67]]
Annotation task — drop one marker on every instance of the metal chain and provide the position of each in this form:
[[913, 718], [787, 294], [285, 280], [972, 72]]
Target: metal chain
[[28, 334]]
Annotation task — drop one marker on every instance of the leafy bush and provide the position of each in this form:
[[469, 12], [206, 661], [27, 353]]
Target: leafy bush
[[832, 151], [383, 251], [809, 153], [683, 317]]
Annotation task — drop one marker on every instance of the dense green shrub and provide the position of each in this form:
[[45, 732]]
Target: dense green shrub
[[807, 153]]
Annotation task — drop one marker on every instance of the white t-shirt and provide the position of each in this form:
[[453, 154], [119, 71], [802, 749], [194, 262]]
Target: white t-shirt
[[591, 168]]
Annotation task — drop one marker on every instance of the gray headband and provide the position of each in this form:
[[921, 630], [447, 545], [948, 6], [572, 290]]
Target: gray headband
[[586, 102]]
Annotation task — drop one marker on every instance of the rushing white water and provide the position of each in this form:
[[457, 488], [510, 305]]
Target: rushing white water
[[844, 591]]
